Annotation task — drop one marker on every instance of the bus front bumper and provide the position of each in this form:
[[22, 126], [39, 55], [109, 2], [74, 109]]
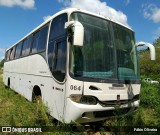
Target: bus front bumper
[[82, 113]]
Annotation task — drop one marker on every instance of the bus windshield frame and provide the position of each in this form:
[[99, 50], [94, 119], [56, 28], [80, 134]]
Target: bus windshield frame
[[108, 54]]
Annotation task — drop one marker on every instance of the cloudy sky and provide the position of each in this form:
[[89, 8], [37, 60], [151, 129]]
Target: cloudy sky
[[19, 17]]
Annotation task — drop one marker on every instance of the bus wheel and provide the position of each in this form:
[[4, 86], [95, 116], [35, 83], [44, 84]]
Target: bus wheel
[[36, 95]]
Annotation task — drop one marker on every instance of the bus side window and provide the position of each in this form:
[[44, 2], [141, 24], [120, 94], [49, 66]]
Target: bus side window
[[35, 42], [42, 39], [57, 27], [59, 63], [26, 46], [12, 53], [18, 50], [39, 40], [57, 48], [8, 54], [29, 42]]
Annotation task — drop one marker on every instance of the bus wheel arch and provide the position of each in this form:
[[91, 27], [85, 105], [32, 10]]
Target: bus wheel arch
[[36, 94], [8, 83]]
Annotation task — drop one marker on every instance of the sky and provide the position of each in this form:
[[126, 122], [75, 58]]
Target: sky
[[19, 17]]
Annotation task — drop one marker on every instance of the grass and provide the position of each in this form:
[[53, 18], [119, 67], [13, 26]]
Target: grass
[[148, 113], [15, 110], [1, 72]]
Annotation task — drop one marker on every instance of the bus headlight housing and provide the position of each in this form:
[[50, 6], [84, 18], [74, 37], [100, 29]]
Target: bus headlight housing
[[89, 100]]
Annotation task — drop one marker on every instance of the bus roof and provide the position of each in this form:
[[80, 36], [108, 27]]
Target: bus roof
[[68, 11]]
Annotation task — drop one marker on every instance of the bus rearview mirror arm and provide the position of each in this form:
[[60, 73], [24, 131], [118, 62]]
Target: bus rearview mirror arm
[[151, 48], [78, 32]]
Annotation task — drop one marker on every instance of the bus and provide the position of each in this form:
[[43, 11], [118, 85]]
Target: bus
[[83, 66]]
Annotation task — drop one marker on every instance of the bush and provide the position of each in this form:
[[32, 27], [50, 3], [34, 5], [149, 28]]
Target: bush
[[150, 95]]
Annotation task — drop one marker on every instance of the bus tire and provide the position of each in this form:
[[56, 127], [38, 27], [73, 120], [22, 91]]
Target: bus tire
[[36, 95]]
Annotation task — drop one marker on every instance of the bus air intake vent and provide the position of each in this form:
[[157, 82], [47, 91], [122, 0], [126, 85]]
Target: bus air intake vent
[[110, 113], [117, 85]]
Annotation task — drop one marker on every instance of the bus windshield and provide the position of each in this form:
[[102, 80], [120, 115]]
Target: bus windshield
[[108, 52]]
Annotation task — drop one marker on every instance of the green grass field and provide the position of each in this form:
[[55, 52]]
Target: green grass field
[[0, 72], [15, 110]]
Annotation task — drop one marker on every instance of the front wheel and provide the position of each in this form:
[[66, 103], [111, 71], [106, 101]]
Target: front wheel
[[36, 98]]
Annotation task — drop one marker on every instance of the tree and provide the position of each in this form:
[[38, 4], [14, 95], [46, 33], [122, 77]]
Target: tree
[[157, 42], [1, 63]]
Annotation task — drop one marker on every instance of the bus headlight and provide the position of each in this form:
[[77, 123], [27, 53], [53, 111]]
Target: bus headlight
[[89, 100]]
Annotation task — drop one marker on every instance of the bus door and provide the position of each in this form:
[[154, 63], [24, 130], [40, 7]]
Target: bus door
[[59, 73]]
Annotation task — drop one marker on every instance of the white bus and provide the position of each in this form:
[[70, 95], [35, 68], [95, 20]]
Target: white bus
[[82, 65]]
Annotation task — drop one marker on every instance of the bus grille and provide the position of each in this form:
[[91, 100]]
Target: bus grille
[[114, 102], [118, 102]]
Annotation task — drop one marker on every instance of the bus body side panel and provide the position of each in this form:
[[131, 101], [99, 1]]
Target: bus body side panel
[[27, 72]]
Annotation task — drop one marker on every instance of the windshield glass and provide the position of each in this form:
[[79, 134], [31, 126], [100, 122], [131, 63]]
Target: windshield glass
[[108, 52], [126, 53]]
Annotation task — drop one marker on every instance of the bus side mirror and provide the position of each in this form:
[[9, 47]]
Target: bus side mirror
[[151, 48], [78, 32]]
